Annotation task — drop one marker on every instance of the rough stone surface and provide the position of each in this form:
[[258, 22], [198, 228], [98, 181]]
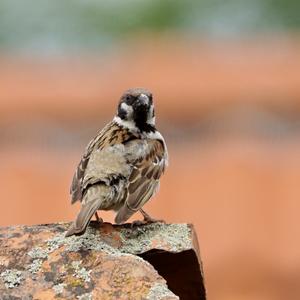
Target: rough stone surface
[[107, 262]]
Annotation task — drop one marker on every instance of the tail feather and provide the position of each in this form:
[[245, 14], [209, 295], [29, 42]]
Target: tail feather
[[83, 218], [124, 214], [134, 202]]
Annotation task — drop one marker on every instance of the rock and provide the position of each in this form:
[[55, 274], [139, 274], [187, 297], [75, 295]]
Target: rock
[[155, 261]]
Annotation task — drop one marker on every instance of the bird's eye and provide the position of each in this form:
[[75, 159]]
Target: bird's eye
[[129, 99]]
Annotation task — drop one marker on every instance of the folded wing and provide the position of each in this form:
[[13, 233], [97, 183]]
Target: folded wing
[[143, 180]]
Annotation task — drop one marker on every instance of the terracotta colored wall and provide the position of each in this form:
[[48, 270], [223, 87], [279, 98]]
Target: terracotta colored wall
[[230, 116]]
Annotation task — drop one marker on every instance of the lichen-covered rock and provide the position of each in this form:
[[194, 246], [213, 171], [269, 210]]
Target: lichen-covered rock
[[107, 262]]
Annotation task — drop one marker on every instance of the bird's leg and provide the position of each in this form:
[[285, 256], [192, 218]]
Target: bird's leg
[[99, 220], [148, 219]]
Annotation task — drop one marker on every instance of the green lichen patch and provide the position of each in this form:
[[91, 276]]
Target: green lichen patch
[[35, 266], [55, 242], [38, 252], [89, 241], [170, 237], [81, 272], [75, 282], [11, 278], [86, 296], [160, 291], [59, 288]]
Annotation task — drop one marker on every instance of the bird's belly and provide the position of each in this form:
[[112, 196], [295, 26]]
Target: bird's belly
[[116, 198]]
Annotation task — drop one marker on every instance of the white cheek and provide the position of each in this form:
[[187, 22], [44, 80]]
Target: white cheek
[[150, 118], [127, 108], [124, 123]]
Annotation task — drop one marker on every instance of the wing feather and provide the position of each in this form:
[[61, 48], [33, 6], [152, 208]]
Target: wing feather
[[144, 180], [110, 135]]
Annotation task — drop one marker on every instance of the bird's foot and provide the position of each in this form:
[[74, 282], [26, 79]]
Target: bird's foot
[[137, 223], [99, 220], [152, 220], [147, 220]]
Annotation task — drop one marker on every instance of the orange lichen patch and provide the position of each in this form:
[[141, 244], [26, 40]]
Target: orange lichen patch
[[53, 258], [129, 277], [71, 255], [45, 267], [107, 228], [155, 244], [41, 236], [45, 295], [114, 239], [93, 259], [4, 261], [110, 234], [18, 243]]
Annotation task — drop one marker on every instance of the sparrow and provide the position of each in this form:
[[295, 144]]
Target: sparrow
[[121, 166]]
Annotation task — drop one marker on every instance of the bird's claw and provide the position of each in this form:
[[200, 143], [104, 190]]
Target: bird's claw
[[99, 220], [137, 223], [146, 221]]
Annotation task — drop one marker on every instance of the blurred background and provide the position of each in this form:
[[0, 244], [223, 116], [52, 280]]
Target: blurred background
[[226, 80]]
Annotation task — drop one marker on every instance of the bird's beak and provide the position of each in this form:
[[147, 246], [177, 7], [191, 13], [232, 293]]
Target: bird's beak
[[143, 99]]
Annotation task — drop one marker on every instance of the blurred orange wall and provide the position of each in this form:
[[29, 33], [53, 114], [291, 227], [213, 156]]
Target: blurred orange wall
[[230, 116]]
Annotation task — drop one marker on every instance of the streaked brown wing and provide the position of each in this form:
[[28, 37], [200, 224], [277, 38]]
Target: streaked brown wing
[[110, 135], [143, 180]]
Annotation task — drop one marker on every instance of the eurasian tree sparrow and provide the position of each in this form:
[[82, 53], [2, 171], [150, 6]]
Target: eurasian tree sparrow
[[121, 167]]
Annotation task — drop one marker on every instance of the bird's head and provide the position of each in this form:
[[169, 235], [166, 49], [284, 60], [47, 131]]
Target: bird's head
[[136, 106]]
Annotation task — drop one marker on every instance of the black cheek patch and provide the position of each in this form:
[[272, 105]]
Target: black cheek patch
[[122, 113], [151, 99]]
